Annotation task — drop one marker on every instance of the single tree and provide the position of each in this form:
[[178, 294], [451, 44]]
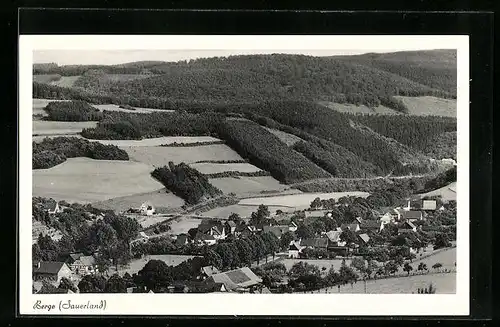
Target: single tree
[[437, 265], [408, 268], [156, 275], [115, 284], [67, 284], [92, 284]]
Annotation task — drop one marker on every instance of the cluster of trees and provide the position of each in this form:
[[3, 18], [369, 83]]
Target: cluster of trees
[[441, 146], [109, 237], [53, 151], [266, 151], [440, 180], [124, 125], [413, 131], [164, 245], [75, 110], [46, 78], [186, 182], [238, 173], [189, 144]]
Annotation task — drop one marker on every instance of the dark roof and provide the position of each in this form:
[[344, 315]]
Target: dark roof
[[333, 235], [231, 223], [349, 226], [181, 239], [48, 267], [276, 230], [315, 242], [412, 214], [370, 224], [242, 277], [409, 224], [294, 246], [75, 256], [204, 237]]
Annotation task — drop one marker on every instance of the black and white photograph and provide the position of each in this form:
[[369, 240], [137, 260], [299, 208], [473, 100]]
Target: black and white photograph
[[244, 172]]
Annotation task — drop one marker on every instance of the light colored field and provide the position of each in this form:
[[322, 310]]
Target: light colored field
[[157, 141], [127, 77], [136, 265], [86, 180], [446, 257], [243, 210], [444, 284], [40, 138], [160, 199], [43, 78], [244, 186], [160, 156], [298, 201], [427, 105], [66, 81], [287, 138], [39, 104], [114, 107], [213, 168], [447, 193], [42, 127], [362, 109], [183, 225]]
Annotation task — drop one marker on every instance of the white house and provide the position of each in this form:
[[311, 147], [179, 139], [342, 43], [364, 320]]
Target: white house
[[292, 227], [294, 249], [147, 209]]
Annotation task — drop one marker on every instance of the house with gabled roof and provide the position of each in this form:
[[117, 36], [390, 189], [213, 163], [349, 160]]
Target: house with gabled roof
[[364, 238], [213, 228], [429, 205], [84, 265], [52, 208], [207, 239], [374, 226], [230, 226], [295, 249], [412, 215], [354, 227], [182, 239], [315, 213], [50, 270], [315, 243], [407, 226], [237, 280], [334, 239], [292, 226]]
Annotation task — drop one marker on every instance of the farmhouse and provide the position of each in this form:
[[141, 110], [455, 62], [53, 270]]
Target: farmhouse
[[245, 230], [230, 226], [371, 226], [182, 239], [240, 280], [50, 270], [53, 208], [207, 239], [147, 209], [412, 215], [315, 243], [334, 239], [315, 213], [208, 271], [276, 230], [84, 265], [292, 226], [294, 249], [213, 228]]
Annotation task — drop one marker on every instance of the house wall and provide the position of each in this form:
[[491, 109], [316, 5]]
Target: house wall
[[64, 272], [293, 253]]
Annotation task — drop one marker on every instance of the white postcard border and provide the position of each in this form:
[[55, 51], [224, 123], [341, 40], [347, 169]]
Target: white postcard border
[[241, 304]]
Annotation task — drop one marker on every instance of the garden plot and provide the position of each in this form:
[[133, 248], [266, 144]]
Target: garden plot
[[160, 156], [87, 180], [42, 127]]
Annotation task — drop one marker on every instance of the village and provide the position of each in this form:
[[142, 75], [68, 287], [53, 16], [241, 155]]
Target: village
[[331, 244]]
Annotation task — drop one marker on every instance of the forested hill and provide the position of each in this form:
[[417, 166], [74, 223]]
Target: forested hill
[[252, 78], [434, 68]]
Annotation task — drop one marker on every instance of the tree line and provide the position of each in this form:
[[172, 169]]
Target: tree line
[[72, 111], [53, 151]]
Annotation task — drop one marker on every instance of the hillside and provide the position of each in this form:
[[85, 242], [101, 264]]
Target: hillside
[[434, 68], [251, 78]]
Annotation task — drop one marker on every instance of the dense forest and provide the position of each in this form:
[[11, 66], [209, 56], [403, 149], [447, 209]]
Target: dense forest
[[250, 78], [436, 68], [441, 146], [72, 111], [186, 182], [267, 152], [53, 151]]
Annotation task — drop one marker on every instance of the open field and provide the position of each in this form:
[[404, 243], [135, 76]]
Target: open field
[[66, 81], [114, 107], [362, 109], [42, 127], [160, 156], [444, 284], [447, 257], [287, 138], [245, 186], [428, 105], [183, 225], [86, 180], [298, 201], [137, 264], [160, 199], [243, 210], [212, 168], [447, 193], [157, 141]]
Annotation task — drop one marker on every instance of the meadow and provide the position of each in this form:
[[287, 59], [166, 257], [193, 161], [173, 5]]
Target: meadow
[[86, 180], [244, 186], [39, 104], [66, 81], [42, 127], [298, 201], [428, 105], [160, 199], [183, 225], [212, 168], [161, 156], [447, 193], [157, 141], [287, 138], [361, 109], [114, 107]]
